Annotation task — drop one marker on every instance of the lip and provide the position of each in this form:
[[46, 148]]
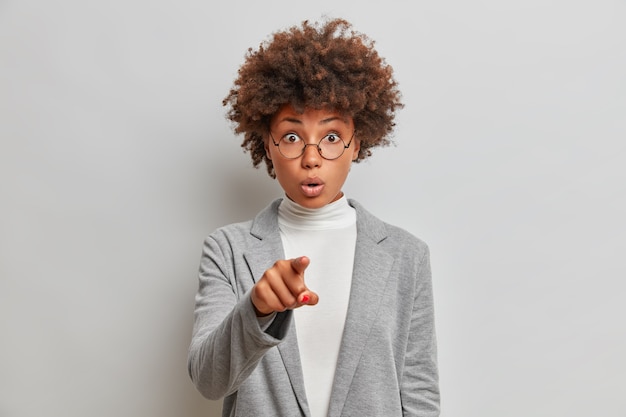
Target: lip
[[312, 187]]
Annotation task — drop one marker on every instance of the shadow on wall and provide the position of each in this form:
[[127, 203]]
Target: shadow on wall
[[242, 190], [235, 191]]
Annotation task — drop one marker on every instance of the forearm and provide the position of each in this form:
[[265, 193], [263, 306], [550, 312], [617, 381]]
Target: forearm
[[221, 357]]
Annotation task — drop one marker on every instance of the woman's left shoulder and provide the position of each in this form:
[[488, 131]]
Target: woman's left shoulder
[[387, 233]]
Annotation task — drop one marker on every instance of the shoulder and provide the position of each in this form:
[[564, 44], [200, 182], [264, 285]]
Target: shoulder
[[393, 237], [230, 232], [263, 224]]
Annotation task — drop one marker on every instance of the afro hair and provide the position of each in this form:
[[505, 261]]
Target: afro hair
[[315, 65]]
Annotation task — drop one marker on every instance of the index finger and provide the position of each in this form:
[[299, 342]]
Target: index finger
[[300, 264]]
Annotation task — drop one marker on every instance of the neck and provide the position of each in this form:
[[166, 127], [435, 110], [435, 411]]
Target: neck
[[331, 216]]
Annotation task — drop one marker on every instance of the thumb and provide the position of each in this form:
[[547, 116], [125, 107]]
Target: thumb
[[300, 264], [308, 297]]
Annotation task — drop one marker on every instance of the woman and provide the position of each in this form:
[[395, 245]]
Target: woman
[[315, 307]]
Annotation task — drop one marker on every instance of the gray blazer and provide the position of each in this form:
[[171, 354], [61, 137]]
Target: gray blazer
[[387, 362]]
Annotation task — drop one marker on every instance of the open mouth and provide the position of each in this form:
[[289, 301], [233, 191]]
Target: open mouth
[[312, 187]]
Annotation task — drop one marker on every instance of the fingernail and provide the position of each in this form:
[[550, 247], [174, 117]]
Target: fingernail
[[305, 299]]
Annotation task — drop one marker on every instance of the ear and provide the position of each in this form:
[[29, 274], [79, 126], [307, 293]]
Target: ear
[[356, 149], [266, 144]]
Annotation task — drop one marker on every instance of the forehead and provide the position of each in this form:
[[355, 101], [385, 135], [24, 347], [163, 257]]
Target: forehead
[[288, 115]]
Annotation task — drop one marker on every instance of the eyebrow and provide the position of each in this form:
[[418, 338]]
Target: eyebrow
[[323, 121]]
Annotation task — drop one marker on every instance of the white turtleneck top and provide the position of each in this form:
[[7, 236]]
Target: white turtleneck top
[[328, 237]]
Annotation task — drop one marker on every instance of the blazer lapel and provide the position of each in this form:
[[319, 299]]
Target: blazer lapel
[[264, 251], [371, 269], [290, 353]]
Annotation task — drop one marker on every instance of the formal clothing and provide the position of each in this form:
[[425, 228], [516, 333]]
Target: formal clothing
[[327, 235], [387, 364]]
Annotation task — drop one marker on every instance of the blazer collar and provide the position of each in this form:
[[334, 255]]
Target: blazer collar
[[266, 248], [265, 223], [372, 265]]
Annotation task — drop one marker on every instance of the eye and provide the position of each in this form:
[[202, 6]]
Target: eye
[[332, 138], [291, 138]]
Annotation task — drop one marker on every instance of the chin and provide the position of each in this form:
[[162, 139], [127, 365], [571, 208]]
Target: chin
[[315, 202]]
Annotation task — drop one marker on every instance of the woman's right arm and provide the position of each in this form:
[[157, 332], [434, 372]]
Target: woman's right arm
[[227, 341]]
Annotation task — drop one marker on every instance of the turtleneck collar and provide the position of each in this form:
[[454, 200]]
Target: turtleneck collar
[[335, 215]]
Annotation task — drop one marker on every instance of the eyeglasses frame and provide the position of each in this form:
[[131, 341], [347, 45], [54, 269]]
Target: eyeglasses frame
[[317, 145]]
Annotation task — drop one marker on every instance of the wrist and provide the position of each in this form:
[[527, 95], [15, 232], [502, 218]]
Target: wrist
[[258, 312]]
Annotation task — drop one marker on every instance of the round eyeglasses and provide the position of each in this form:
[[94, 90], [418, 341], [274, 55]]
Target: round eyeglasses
[[330, 147]]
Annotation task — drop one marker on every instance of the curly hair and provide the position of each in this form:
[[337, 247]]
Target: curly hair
[[320, 66]]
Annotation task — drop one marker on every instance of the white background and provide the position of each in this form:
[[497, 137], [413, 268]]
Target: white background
[[116, 160]]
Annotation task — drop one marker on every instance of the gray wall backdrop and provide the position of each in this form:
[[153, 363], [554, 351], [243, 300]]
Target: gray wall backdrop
[[116, 160]]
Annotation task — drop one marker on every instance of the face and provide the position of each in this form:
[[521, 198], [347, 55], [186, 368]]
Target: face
[[311, 180]]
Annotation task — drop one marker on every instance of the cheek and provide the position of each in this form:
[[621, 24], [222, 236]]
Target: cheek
[[344, 168], [284, 169]]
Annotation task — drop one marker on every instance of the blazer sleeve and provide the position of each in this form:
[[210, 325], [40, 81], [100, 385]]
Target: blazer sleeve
[[227, 341], [419, 388]]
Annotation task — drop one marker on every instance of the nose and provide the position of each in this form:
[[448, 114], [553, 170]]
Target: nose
[[311, 157]]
